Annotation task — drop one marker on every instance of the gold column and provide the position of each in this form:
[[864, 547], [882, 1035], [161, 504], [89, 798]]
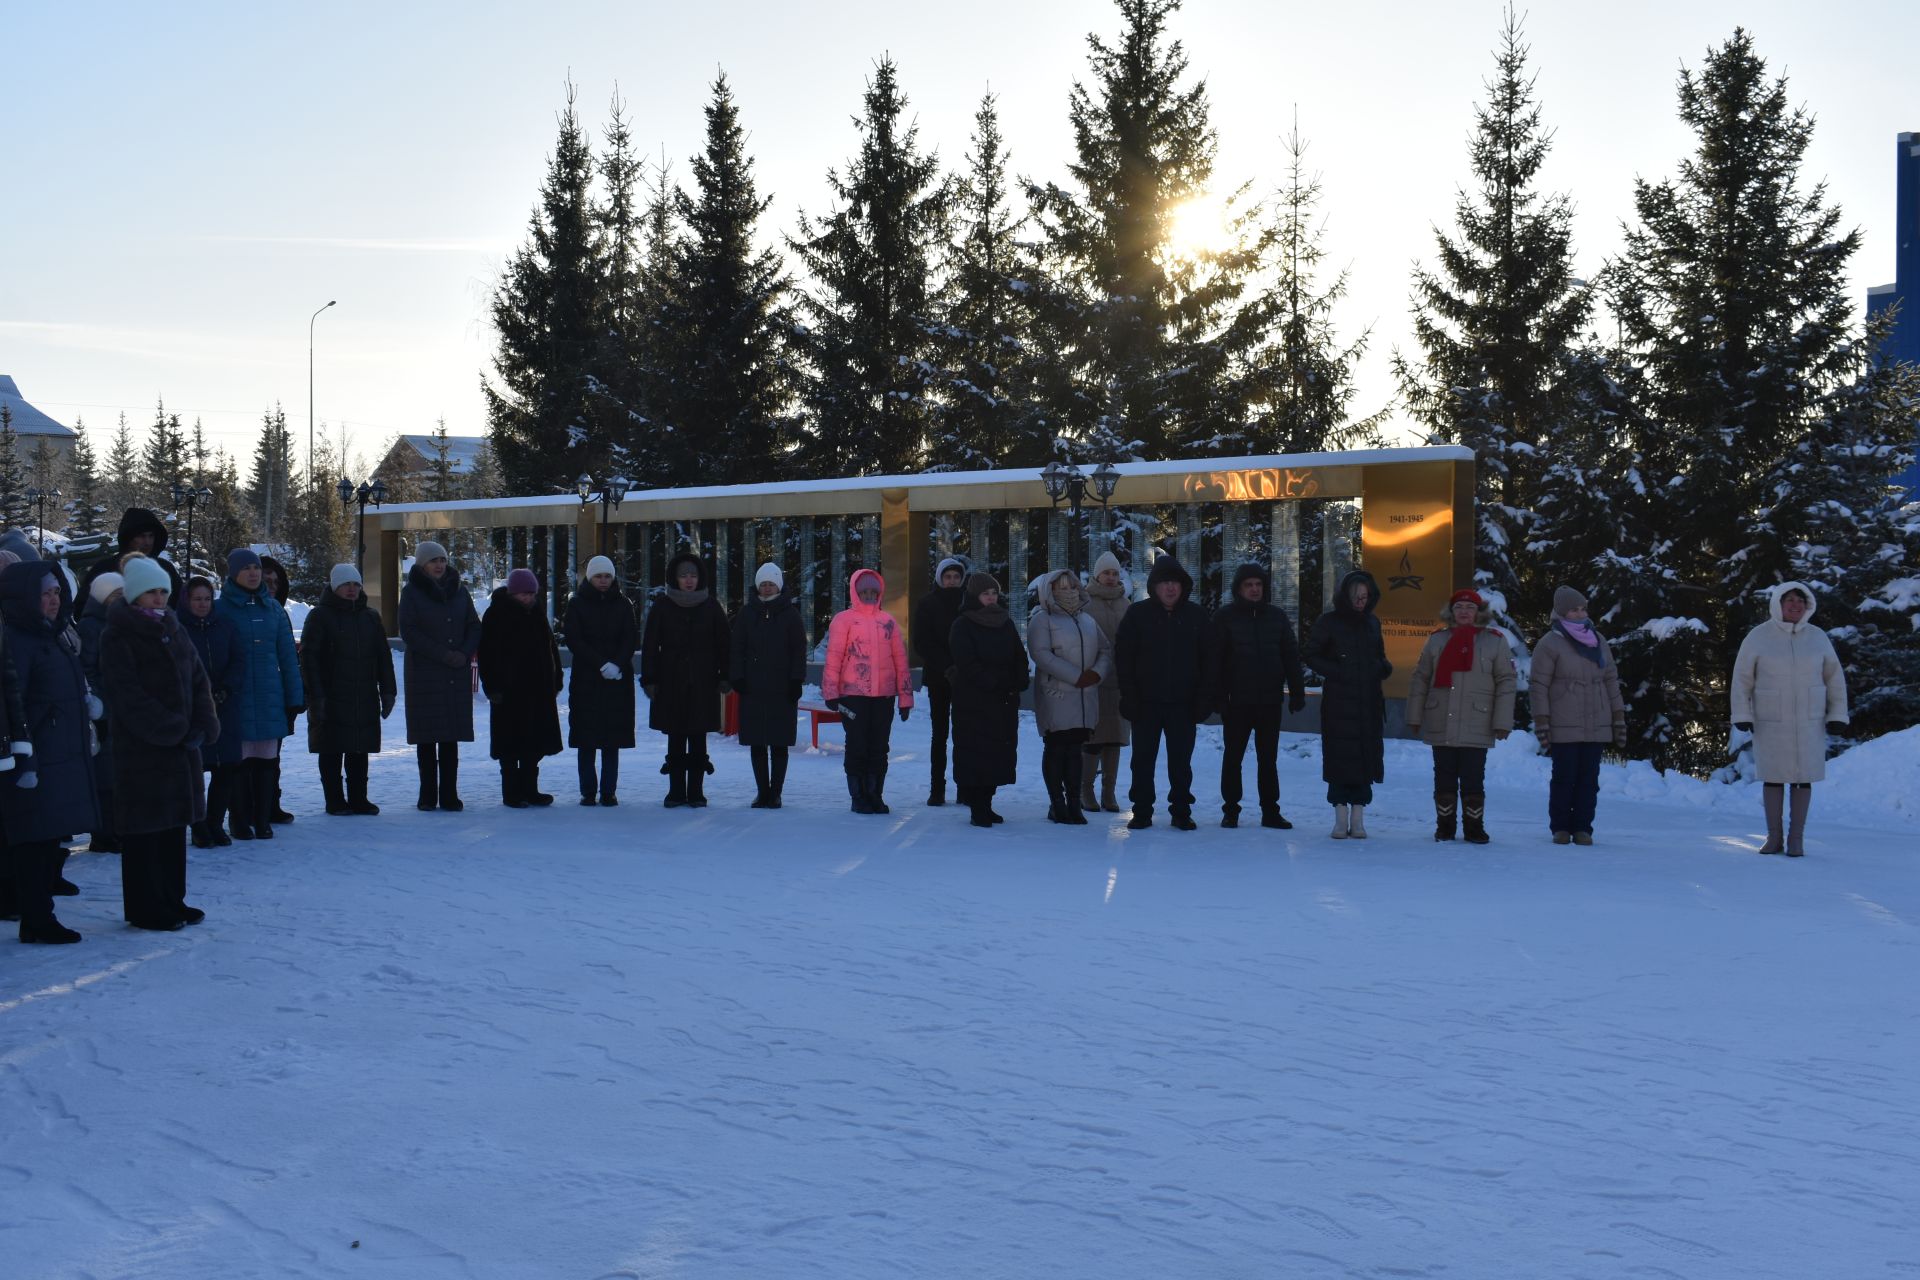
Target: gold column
[[382, 581], [1409, 524], [897, 561]]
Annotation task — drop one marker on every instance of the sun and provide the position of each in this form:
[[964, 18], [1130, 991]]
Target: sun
[[1198, 226]]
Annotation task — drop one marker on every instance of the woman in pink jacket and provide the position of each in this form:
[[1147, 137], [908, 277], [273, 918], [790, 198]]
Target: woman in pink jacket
[[866, 671]]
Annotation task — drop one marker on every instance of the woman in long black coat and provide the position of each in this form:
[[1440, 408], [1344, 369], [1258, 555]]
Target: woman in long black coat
[[602, 635], [217, 641], [989, 674], [768, 671], [440, 633], [49, 793], [348, 671], [1346, 648], [163, 716], [683, 664], [521, 675]]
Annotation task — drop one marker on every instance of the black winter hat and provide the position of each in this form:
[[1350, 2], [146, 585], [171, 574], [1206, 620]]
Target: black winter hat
[[1252, 570], [140, 520], [1167, 569]]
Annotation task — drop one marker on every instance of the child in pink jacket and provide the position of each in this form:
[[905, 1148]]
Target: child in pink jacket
[[866, 670]]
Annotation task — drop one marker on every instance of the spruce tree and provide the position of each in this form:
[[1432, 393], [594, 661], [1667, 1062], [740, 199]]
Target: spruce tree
[[164, 460], [622, 361], [869, 340], [122, 475], [47, 472], [543, 410], [270, 481], [440, 486], [15, 511], [85, 508], [724, 401], [1496, 321], [224, 521]]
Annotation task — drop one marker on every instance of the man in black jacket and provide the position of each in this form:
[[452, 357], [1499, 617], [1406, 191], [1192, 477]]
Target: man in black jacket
[[1256, 670], [1159, 661], [140, 530], [932, 624]]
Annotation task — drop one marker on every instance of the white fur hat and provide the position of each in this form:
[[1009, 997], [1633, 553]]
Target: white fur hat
[[599, 565], [769, 572]]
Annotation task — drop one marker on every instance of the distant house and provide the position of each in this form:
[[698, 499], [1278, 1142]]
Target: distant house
[[414, 457], [1904, 342], [31, 425]]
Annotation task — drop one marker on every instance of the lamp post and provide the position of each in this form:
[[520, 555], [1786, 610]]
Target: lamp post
[[310, 322], [185, 495], [609, 495], [364, 496], [38, 497], [1066, 481]]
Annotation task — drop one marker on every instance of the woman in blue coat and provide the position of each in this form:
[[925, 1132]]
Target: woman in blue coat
[[49, 793], [269, 697], [218, 644]]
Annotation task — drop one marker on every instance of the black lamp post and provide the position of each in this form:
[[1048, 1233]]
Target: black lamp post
[[1066, 481], [185, 495], [38, 497], [609, 495], [364, 496]]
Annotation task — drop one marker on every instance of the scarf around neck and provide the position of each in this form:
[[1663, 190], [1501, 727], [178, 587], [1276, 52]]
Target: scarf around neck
[[1586, 641], [1100, 591], [1457, 657], [686, 599], [987, 615]]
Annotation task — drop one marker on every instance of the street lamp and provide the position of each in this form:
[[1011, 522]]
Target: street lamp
[[38, 497], [1065, 481], [185, 495], [365, 495], [609, 495], [316, 315]]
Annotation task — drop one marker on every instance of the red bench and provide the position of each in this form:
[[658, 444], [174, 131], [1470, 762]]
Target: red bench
[[818, 713]]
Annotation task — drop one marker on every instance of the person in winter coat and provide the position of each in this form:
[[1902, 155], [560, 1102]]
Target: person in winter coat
[[92, 625], [768, 670], [217, 642], [164, 716], [989, 675], [49, 793], [348, 670], [1460, 702], [866, 671], [13, 728], [1790, 693], [1159, 659], [684, 652], [1071, 661], [521, 675], [273, 577], [1345, 648], [1107, 602], [602, 635], [439, 634], [270, 697], [274, 581], [1255, 655], [932, 624], [140, 531], [1573, 689]]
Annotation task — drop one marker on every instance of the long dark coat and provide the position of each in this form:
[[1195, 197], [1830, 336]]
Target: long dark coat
[[521, 675], [218, 644], [53, 694], [989, 675], [164, 706], [1254, 650], [349, 675], [91, 626], [1345, 647], [1159, 654], [600, 628], [440, 631], [768, 668], [683, 658], [933, 620]]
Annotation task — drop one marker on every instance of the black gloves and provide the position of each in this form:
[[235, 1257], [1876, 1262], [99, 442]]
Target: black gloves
[[794, 689], [386, 705], [1835, 728], [1297, 702], [1744, 726], [904, 713]]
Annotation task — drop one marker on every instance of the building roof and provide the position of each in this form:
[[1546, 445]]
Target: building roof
[[27, 420], [462, 451]]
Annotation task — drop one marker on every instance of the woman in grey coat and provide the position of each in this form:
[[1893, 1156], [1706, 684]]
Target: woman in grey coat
[[1072, 659], [1573, 688], [1108, 595], [1460, 702], [440, 631]]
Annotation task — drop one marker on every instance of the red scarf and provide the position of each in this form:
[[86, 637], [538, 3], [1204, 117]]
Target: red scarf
[[1457, 657]]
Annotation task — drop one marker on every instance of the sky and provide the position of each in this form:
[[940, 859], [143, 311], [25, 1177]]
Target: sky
[[187, 183]]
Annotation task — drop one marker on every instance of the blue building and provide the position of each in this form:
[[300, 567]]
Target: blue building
[[1904, 342]]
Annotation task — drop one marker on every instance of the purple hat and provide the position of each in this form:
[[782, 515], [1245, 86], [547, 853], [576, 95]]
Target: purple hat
[[522, 582]]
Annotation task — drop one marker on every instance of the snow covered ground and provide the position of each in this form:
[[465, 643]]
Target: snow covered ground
[[735, 1043]]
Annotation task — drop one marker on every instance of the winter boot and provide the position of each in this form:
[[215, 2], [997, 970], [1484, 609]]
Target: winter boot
[[47, 930], [986, 802], [1109, 771], [1773, 796], [1583, 837], [877, 790], [215, 826], [1050, 777], [1071, 785], [511, 794], [777, 775], [1473, 819], [676, 770], [530, 783], [450, 778], [275, 812], [762, 784], [1089, 774], [1563, 837], [698, 767], [981, 805], [857, 792], [265, 782], [937, 791], [202, 837], [429, 778], [1800, 797], [1142, 818], [357, 802], [1230, 816], [1446, 812], [1357, 822], [1182, 820], [240, 799], [1274, 818], [335, 795], [1342, 821], [63, 887]]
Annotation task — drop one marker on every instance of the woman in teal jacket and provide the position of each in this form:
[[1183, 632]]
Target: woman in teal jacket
[[269, 697]]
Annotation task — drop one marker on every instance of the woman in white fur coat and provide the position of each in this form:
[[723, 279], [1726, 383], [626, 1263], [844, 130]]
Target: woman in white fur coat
[[1790, 693], [1071, 661]]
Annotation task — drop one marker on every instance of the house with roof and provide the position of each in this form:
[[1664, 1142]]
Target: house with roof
[[414, 457], [32, 425]]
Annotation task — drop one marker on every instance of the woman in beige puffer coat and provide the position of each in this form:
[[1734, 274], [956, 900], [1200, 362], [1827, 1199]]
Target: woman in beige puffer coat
[[1109, 594], [1460, 702], [1789, 691], [1072, 661], [1573, 688]]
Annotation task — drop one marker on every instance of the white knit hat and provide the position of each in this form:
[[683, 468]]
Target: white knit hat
[[343, 574], [144, 575], [105, 585], [769, 572], [599, 565]]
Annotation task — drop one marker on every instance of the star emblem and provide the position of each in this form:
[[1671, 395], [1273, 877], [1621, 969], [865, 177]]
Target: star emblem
[[1406, 579]]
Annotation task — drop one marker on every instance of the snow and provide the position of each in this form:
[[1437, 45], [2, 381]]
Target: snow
[[738, 1043]]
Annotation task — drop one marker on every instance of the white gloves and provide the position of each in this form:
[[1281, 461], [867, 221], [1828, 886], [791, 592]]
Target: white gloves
[[95, 708], [28, 781], [610, 671]]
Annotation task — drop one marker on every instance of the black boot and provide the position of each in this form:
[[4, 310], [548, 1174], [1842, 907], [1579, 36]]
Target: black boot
[[1445, 809], [335, 796], [857, 789], [676, 770], [202, 838], [1070, 788], [1274, 818], [240, 799], [265, 781], [274, 812], [986, 802], [762, 784], [357, 802], [1050, 778], [1182, 820], [450, 777], [510, 785], [429, 778], [530, 784], [63, 887], [937, 793], [698, 767], [980, 804], [219, 787], [777, 766], [1473, 818], [877, 791], [1230, 816]]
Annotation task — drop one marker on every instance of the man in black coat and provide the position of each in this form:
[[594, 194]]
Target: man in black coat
[[140, 530], [1256, 671], [932, 626], [1159, 663]]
